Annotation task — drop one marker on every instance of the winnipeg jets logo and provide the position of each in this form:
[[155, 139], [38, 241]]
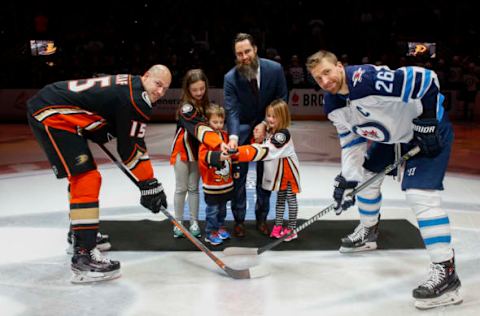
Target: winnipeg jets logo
[[370, 134], [372, 131], [357, 76]]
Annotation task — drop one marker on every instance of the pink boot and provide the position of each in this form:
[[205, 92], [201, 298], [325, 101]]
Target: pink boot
[[276, 232], [287, 231]]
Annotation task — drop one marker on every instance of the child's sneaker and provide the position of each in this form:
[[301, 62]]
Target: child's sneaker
[[223, 233], [287, 231], [195, 229], [213, 238], [177, 233], [276, 232]]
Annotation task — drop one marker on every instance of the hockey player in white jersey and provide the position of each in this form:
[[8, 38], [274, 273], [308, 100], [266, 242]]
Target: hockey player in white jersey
[[392, 108]]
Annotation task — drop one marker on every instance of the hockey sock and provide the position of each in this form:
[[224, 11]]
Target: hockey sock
[[84, 212]]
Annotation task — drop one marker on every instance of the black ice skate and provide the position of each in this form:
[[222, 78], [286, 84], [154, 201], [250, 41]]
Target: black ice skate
[[362, 239], [440, 289], [91, 266], [103, 242]]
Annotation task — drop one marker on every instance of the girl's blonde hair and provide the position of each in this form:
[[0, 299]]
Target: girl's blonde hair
[[215, 109], [192, 76], [281, 112]]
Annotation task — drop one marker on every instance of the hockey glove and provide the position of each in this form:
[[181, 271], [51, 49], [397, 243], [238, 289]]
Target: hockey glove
[[425, 135], [153, 197], [342, 188], [100, 135]]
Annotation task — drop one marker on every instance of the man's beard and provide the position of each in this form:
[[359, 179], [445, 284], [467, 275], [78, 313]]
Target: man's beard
[[248, 71]]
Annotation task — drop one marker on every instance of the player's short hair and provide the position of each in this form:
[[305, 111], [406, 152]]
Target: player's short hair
[[281, 112], [241, 37], [317, 58], [215, 109]]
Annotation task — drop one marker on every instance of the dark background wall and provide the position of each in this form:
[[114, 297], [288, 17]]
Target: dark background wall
[[114, 37]]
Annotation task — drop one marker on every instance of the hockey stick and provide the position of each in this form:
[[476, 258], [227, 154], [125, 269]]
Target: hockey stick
[[250, 273], [232, 251]]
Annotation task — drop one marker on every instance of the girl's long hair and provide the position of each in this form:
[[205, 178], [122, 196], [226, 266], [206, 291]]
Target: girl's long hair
[[192, 76]]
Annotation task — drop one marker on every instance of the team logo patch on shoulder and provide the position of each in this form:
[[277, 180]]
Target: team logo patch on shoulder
[[146, 98], [187, 108], [357, 76], [280, 137]]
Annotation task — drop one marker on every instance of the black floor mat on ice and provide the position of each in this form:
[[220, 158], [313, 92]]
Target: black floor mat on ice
[[148, 235]]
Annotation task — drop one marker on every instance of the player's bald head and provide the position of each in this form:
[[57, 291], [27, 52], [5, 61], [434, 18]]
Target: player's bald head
[[156, 81], [160, 71]]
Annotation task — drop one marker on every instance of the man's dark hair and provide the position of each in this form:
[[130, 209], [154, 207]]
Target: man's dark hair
[[241, 37]]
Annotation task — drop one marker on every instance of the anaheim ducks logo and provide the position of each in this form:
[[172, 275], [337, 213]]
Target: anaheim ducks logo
[[280, 138], [187, 108], [80, 160], [224, 173]]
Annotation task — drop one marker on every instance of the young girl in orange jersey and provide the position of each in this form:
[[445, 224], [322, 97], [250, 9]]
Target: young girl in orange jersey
[[281, 167], [192, 128]]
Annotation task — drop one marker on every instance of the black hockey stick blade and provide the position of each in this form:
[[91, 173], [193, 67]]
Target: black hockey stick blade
[[250, 273], [235, 251]]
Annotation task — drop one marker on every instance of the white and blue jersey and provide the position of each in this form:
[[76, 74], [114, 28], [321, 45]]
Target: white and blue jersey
[[380, 107]]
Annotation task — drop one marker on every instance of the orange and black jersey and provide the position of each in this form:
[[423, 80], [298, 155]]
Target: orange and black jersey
[[216, 175], [192, 129], [100, 108]]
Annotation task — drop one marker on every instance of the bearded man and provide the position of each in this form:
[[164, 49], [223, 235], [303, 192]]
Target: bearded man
[[248, 88]]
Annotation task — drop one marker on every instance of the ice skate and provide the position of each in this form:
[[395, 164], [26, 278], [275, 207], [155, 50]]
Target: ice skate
[[363, 238], [441, 288], [91, 266]]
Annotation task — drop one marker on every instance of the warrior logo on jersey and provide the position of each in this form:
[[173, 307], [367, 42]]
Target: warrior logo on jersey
[[372, 131], [187, 108], [357, 76]]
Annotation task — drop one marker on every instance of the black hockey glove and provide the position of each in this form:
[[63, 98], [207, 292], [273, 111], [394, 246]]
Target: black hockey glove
[[425, 135], [342, 188], [100, 135], [153, 197]]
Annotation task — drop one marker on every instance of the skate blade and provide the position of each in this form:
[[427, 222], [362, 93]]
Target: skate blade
[[90, 277], [369, 246], [448, 298]]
